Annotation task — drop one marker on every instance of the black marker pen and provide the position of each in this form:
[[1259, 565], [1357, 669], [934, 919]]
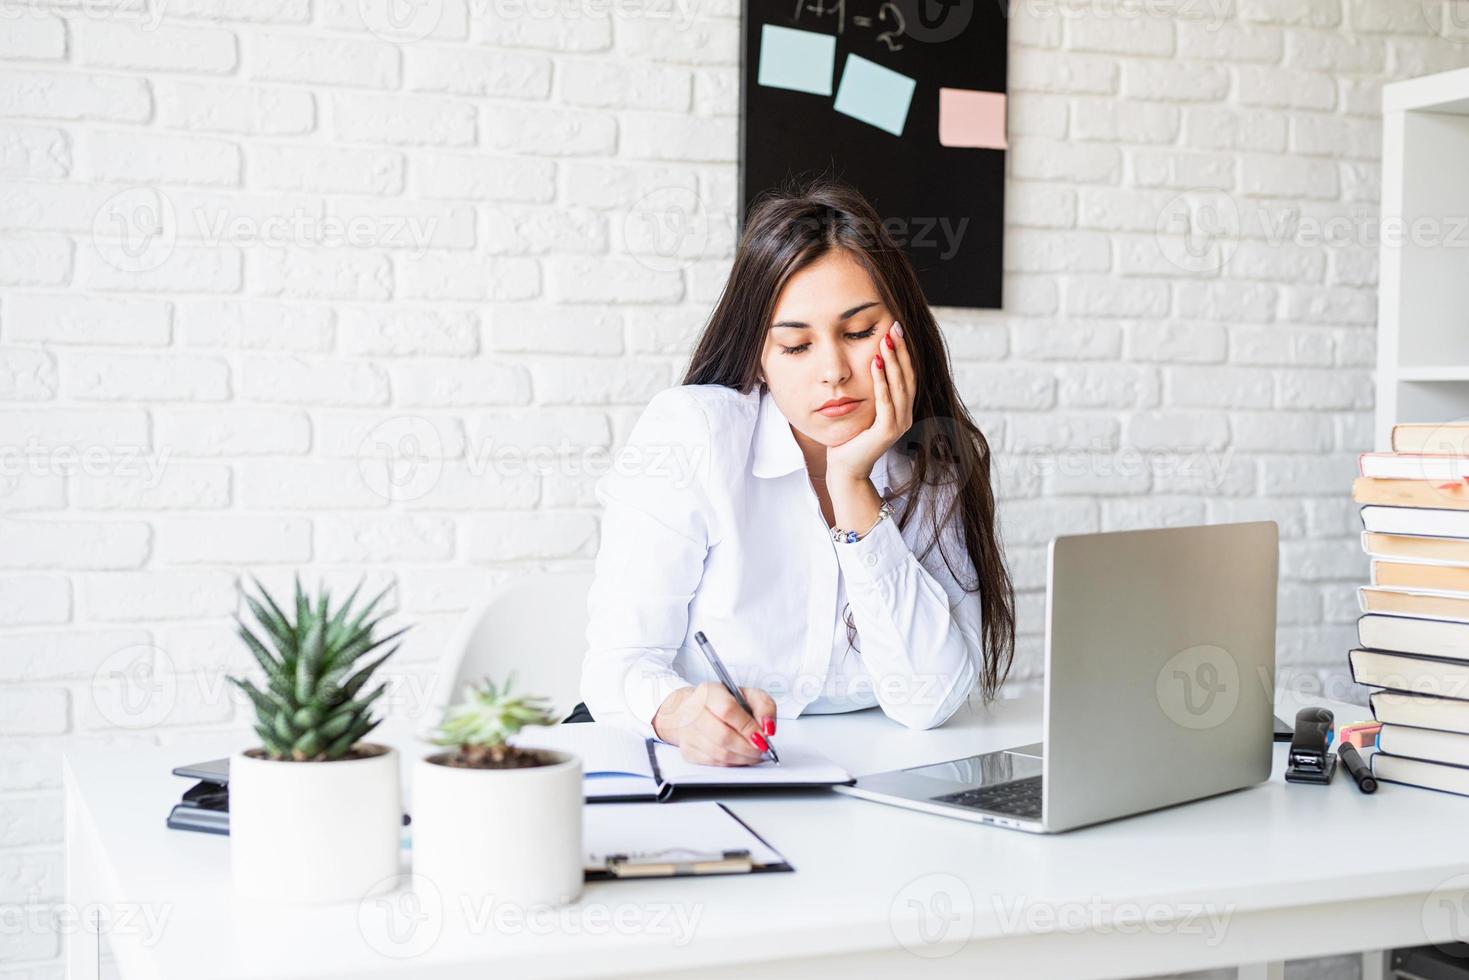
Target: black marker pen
[[1352, 759]]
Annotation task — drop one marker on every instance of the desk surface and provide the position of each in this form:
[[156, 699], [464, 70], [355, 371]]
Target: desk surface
[[1209, 883]]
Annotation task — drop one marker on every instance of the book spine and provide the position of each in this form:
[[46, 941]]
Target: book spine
[[1461, 696], [664, 790], [1463, 706], [1461, 627], [1421, 762]]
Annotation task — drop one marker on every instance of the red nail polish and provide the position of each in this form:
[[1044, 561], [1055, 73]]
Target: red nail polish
[[769, 726], [759, 742], [880, 365], [889, 339]]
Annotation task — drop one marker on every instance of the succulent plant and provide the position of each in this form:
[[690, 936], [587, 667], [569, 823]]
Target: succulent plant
[[480, 725], [312, 708]]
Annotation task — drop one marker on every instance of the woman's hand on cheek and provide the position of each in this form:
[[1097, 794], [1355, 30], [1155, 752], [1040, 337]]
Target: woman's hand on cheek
[[893, 390]]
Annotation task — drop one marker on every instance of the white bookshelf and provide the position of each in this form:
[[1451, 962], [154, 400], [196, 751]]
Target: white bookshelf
[[1423, 292]]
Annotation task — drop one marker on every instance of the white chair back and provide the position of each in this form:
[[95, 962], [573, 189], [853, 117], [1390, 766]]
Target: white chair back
[[534, 626]]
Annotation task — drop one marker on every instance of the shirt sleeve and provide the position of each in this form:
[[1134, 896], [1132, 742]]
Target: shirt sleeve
[[921, 632], [655, 536]]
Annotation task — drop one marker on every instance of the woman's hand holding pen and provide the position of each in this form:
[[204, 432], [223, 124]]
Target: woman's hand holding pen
[[710, 728]]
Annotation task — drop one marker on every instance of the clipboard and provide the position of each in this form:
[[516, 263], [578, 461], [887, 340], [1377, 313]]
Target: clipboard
[[619, 841]]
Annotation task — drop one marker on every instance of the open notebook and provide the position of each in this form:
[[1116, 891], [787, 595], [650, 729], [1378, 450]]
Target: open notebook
[[620, 765]]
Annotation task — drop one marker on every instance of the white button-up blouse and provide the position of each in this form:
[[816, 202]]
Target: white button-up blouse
[[711, 524]]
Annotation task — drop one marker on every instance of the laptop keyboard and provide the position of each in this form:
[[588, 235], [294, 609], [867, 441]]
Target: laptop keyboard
[[1021, 798]]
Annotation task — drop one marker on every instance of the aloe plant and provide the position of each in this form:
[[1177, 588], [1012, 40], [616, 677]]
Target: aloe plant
[[480, 725], [312, 708]]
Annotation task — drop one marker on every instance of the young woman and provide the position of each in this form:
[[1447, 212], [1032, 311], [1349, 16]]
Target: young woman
[[814, 498]]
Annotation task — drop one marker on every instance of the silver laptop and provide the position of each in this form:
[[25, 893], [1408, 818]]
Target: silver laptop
[[1159, 686]]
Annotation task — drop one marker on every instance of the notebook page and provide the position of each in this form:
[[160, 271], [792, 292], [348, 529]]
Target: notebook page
[[664, 831], [798, 764], [603, 748]]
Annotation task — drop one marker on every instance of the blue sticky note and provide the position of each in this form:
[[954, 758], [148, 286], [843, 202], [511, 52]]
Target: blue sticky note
[[798, 60], [876, 95]]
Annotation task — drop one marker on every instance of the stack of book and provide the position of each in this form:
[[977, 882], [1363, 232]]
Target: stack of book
[[1413, 639]]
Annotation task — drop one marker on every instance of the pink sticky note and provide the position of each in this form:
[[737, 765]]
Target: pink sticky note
[[971, 118]]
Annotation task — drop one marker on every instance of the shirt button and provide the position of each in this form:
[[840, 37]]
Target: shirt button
[[869, 560]]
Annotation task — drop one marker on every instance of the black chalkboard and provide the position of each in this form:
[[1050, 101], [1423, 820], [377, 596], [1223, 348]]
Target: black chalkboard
[[944, 204]]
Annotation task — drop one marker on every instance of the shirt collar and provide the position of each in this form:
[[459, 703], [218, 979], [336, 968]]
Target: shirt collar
[[776, 452]]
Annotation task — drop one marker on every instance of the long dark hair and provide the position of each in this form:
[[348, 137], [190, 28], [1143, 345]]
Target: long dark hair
[[787, 230]]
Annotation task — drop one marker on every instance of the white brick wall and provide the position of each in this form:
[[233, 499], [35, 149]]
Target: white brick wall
[[246, 248]]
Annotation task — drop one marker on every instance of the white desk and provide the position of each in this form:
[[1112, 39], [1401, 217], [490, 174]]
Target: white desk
[[1284, 871]]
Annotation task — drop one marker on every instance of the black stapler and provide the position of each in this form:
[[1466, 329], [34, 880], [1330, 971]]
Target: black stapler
[[1309, 760]]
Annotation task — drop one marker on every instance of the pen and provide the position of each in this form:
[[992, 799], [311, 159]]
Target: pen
[[729, 685], [1359, 770]]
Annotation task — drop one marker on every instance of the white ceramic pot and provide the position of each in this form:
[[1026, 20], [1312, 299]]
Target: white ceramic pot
[[309, 832], [510, 835]]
